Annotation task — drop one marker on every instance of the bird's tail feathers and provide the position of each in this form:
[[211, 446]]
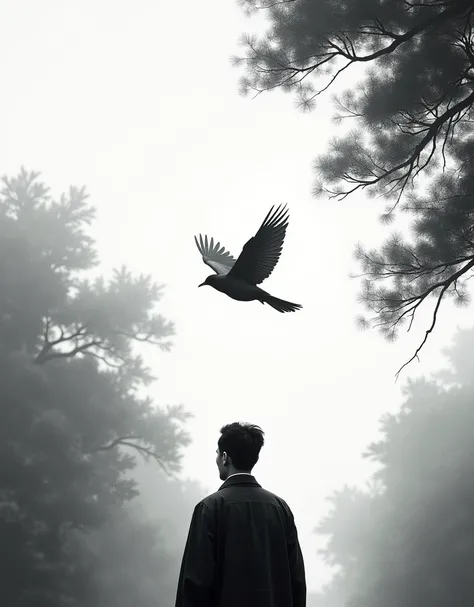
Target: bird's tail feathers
[[280, 304]]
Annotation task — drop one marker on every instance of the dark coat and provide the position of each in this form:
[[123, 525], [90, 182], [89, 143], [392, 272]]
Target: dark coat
[[242, 551]]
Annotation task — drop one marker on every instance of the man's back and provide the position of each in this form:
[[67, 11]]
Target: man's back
[[242, 551]]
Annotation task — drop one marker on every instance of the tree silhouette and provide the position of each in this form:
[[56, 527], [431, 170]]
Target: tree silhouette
[[408, 539], [412, 118], [72, 393]]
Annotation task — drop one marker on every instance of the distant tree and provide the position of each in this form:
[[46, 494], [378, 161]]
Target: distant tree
[[72, 394], [410, 540], [412, 115], [168, 501], [137, 553], [132, 563]]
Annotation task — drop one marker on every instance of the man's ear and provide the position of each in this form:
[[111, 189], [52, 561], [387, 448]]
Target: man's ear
[[225, 458]]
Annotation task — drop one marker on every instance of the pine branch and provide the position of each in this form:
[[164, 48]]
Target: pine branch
[[416, 302]]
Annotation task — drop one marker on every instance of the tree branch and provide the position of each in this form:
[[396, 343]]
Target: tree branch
[[415, 302], [342, 45], [412, 161], [49, 354], [427, 332], [145, 452]]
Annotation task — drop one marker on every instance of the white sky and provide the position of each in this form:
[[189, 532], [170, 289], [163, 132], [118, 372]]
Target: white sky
[[138, 101]]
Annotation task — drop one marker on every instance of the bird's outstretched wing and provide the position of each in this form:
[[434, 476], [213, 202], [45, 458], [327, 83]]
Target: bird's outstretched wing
[[262, 252], [215, 256]]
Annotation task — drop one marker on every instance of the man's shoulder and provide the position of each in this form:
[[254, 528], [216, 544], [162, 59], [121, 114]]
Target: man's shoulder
[[211, 500], [219, 498]]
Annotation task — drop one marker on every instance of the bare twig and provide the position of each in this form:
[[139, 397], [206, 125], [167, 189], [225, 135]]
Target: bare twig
[[416, 302]]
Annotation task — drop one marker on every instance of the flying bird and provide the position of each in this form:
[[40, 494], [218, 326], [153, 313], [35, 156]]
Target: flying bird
[[239, 279]]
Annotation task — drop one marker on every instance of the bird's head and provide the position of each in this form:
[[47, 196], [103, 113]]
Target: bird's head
[[209, 280]]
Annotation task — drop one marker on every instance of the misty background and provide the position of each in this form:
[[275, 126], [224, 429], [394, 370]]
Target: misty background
[[139, 103]]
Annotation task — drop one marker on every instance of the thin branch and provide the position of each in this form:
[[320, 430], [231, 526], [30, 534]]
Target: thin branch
[[412, 162], [444, 286], [346, 49], [144, 451], [49, 354], [427, 332]]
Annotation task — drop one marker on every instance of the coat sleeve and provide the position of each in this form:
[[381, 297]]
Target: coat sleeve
[[197, 574], [297, 571]]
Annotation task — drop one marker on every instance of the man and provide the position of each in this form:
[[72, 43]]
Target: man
[[242, 548]]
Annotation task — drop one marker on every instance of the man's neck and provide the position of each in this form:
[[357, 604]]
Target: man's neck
[[235, 474]]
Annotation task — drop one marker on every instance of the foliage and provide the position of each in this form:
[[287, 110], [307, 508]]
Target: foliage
[[409, 540], [72, 385], [411, 139]]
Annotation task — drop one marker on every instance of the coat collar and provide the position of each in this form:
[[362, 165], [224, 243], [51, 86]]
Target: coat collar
[[243, 480]]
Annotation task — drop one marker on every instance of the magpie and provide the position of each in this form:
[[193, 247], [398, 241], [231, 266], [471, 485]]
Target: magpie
[[239, 278]]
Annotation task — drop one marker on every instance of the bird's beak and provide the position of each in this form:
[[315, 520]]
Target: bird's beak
[[202, 284]]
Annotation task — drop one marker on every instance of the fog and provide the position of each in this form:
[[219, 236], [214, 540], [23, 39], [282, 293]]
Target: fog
[[139, 103]]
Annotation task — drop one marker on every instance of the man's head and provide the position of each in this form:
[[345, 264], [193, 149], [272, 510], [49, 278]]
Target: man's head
[[238, 448]]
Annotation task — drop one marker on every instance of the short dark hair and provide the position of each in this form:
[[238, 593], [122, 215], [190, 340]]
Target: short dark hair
[[242, 443]]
